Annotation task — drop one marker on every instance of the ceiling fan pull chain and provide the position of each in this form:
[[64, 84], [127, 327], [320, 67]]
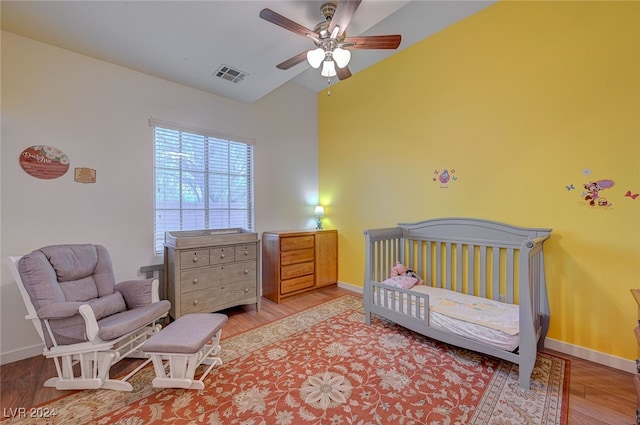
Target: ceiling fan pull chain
[[329, 86]]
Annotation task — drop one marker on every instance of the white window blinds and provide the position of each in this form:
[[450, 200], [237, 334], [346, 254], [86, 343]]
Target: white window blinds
[[201, 182]]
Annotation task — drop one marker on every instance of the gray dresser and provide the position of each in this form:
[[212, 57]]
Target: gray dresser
[[210, 270]]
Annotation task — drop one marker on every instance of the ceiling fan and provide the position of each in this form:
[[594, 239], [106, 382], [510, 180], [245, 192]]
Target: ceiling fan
[[332, 44]]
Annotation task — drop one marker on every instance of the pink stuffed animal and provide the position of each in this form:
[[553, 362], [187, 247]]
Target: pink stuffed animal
[[398, 270]]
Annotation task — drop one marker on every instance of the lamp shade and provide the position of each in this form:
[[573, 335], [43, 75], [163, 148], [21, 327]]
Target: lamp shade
[[341, 57], [315, 57], [319, 211], [328, 69]]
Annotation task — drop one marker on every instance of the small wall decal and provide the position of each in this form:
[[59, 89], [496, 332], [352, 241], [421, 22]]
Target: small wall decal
[[445, 177], [592, 192], [85, 175], [631, 195], [44, 162]]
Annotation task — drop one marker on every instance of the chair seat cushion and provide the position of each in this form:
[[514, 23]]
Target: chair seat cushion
[[119, 324]]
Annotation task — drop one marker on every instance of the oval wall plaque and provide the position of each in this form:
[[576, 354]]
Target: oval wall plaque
[[44, 162]]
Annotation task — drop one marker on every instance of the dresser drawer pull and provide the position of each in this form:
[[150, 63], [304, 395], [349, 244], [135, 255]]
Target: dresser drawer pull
[[222, 255], [246, 290], [195, 302], [246, 252], [195, 281], [195, 258], [246, 271]]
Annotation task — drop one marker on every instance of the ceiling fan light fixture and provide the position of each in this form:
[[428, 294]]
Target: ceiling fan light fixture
[[315, 57], [341, 57], [328, 69]]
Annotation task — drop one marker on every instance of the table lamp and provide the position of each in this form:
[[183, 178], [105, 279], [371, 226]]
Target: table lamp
[[319, 212]]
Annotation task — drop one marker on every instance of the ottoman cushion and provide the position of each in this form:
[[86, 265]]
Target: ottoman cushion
[[186, 335]]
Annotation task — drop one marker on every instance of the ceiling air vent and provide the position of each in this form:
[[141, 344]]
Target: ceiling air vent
[[230, 74]]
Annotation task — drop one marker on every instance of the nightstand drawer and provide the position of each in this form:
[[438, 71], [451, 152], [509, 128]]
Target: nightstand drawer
[[296, 242], [295, 284], [296, 270], [296, 256]]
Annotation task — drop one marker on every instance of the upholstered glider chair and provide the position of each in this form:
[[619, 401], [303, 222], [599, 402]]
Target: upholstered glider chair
[[86, 321]]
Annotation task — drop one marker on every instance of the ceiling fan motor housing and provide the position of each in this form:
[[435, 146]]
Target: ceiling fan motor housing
[[322, 29], [327, 10]]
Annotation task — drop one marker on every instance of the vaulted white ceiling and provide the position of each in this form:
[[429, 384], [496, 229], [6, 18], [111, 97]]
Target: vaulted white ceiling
[[187, 41]]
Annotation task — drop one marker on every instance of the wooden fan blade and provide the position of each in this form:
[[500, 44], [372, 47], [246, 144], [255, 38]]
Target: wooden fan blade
[[343, 14], [343, 73], [300, 57], [286, 23], [373, 42]]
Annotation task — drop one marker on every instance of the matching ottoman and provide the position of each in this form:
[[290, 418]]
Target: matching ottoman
[[178, 349]]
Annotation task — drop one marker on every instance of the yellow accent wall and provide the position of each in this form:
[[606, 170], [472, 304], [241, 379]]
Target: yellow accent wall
[[517, 102]]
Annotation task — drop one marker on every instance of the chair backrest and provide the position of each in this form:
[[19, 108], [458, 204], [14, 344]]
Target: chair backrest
[[31, 311], [56, 279], [59, 273]]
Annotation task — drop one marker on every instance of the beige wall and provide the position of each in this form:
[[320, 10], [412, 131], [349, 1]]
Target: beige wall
[[97, 114], [517, 102]]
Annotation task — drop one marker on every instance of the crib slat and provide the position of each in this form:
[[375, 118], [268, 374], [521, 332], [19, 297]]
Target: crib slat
[[511, 277], [447, 269], [382, 256], [418, 265], [459, 263], [386, 251], [438, 248], [428, 272], [495, 273], [483, 272], [471, 269]]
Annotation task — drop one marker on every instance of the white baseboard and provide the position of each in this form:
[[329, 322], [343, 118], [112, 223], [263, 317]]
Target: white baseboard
[[21, 354], [350, 287], [562, 347], [591, 355]]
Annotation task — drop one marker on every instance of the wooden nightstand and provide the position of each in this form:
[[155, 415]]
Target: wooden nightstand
[[298, 261]]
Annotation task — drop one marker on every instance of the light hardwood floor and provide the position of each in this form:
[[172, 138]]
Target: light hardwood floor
[[598, 394]]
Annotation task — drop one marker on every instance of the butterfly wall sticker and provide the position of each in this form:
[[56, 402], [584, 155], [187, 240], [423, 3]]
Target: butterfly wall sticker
[[631, 195]]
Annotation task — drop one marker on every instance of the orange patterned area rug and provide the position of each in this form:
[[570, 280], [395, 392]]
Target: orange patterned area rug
[[326, 366]]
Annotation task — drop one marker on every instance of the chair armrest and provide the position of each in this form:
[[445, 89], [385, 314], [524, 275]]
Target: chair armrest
[[59, 310], [98, 308], [138, 293], [90, 323]]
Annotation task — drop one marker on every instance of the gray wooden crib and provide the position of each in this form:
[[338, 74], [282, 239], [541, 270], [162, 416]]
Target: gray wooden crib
[[477, 257]]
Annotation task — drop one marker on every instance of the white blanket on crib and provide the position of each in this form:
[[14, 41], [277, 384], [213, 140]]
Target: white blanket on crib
[[480, 311]]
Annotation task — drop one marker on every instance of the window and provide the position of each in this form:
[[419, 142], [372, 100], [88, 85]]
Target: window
[[201, 182]]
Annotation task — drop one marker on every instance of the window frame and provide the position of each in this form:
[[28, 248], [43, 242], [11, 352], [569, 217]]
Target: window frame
[[207, 170]]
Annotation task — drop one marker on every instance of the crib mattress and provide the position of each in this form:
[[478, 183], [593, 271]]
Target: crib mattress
[[481, 320]]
